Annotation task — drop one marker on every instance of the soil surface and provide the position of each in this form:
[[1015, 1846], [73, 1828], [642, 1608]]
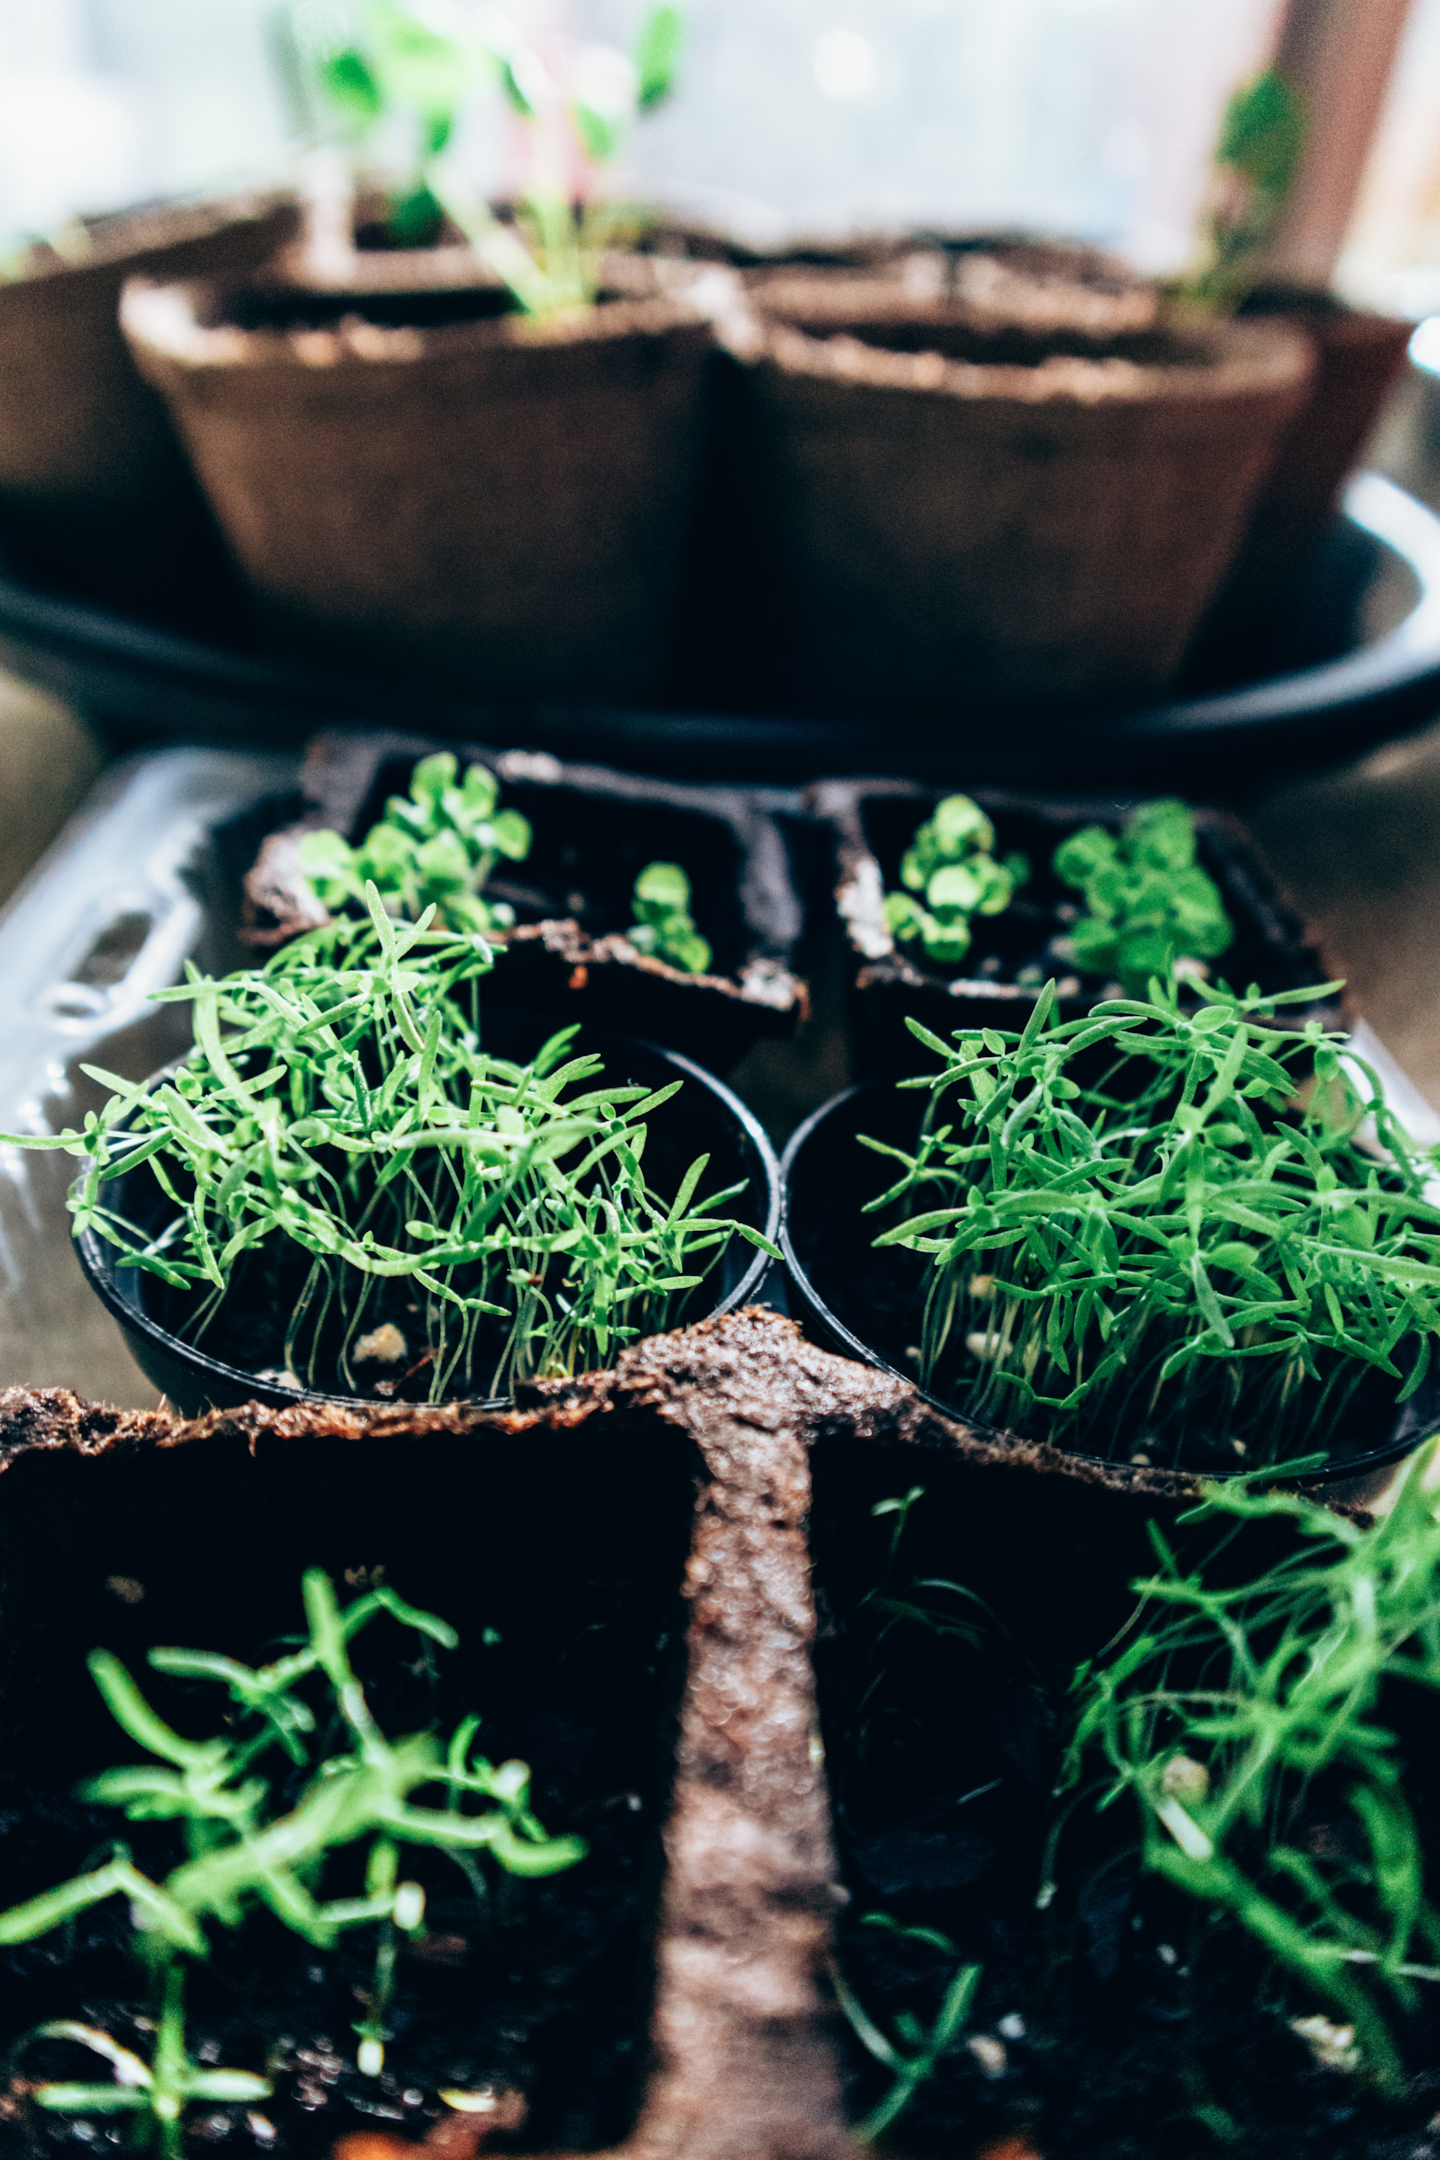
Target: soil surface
[[1117, 2024], [565, 1589]]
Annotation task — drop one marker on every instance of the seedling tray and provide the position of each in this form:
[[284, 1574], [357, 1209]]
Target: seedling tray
[[748, 2058], [594, 829], [872, 823]]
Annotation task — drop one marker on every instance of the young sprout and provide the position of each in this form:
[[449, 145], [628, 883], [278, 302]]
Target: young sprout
[[1135, 1241], [1252, 1724], [339, 1156], [1148, 902], [663, 924], [436, 846], [909, 2070], [950, 875], [578, 114], [248, 1848], [1257, 157], [404, 78]]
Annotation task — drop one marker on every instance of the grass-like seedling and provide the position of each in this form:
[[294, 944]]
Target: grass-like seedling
[[1249, 1725], [925, 2049], [1138, 1243], [258, 1843], [435, 847], [341, 1163], [1148, 902], [1256, 160], [950, 875], [663, 923]]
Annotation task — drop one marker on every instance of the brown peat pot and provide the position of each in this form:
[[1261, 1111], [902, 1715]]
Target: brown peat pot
[[872, 823], [425, 481], [810, 1759], [593, 831], [95, 491], [939, 504], [1358, 355], [625, 1563]]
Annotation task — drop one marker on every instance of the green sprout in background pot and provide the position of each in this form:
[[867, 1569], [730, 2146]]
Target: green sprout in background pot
[[435, 847], [340, 1168], [402, 84], [663, 926], [1257, 157], [578, 115], [1136, 1242], [1253, 1726], [257, 1843], [950, 874], [1148, 902]]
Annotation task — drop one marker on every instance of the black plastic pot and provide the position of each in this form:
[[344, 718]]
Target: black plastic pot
[[828, 1177], [871, 823], [705, 1116], [594, 829]]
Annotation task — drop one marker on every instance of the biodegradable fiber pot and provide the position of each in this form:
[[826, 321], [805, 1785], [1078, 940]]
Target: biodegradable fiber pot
[[1357, 357], [704, 1118], [430, 482], [95, 491], [962, 508]]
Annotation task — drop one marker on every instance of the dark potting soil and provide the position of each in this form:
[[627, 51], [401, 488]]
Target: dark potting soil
[[562, 1577], [1119, 2023]]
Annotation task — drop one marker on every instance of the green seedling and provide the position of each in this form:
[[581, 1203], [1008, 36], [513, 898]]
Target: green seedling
[[950, 875], [1148, 902], [404, 77], [925, 2049], [436, 846], [339, 1149], [1249, 1726], [1136, 1239], [1257, 156], [663, 924], [249, 1849]]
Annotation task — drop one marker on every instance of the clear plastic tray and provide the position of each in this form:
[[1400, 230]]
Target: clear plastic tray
[[141, 880]]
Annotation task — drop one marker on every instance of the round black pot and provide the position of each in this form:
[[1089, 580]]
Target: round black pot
[[827, 1178], [705, 1117]]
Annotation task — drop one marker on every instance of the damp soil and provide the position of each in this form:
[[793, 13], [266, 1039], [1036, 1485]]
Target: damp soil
[[562, 1576], [1117, 2024]]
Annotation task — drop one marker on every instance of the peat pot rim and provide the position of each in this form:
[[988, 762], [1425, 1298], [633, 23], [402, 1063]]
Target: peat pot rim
[[179, 331], [819, 336], [1142, 1478], [142, 234], [113, 1283]]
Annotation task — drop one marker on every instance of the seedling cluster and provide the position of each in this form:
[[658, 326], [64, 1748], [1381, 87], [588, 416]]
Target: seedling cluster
[[435, 847], [265, 1842], [1148, 902], [1253, 1727], [950, 874], [1256, 161], [663, 924], [340, 1151], [1137, 1242], [405, 76]]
